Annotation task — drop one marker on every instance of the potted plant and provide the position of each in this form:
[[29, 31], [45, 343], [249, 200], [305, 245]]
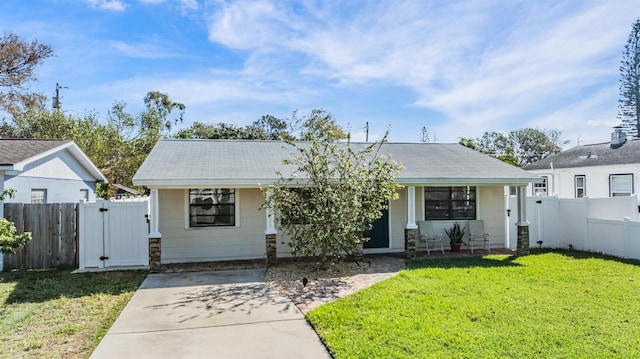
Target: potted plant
[[455, 234]]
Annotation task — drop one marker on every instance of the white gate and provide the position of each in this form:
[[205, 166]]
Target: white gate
[[113, 234]]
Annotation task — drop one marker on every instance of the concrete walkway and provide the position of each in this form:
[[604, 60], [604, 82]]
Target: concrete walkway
[[218, 314]]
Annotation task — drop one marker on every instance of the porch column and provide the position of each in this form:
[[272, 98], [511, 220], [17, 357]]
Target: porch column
[[522, 246], [155, 238], [270, 233], [1, 212], [1, 202], [410, 229], [155, 210]]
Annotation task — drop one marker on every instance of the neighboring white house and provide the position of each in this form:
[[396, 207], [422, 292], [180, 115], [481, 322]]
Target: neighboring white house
[[206, 196], [46, 171], [599, 170]]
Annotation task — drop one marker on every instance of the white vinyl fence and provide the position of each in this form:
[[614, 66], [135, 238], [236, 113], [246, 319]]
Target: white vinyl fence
[[603, 225], [113, 234]]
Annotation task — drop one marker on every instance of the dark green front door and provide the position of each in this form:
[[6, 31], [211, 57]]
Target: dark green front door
[[380, 233]]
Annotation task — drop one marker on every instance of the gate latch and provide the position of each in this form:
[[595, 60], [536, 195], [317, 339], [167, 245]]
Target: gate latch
[[104, 209], [103, 258]]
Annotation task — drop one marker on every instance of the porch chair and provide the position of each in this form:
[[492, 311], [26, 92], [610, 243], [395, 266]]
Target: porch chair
[[428, 236], [478, 236]]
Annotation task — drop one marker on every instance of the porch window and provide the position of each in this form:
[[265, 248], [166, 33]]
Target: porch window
[[212, 207], [449, 203], [580, 182], [38, 195], [540, 189], [621, 185]]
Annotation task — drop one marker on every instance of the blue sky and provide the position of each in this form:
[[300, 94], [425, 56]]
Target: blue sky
[[458, 68]]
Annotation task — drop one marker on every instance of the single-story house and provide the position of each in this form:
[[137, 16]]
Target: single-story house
[[46, 171], [206, 197], [598, 170]]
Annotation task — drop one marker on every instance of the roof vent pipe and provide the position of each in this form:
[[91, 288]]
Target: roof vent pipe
[[618, 137]]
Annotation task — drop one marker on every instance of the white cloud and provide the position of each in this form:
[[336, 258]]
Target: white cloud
[[142, 50], [191, 5], [482, 65], [249, 25], [111, 5]]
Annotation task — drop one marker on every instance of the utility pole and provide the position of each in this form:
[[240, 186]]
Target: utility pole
[[366, 131], [56, 98]]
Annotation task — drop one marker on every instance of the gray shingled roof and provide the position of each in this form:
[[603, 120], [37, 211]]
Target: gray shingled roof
[[13, 151], [237, 162], [600, 154]]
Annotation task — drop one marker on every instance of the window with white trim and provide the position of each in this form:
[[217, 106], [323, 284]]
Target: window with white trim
[[447, 203], [84, 195], [38, 195], [580, 184], [540, 188], [621, 185], [212, 207]]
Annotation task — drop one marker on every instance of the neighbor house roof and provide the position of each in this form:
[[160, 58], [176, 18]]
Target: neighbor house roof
[[15, 154], [599, 154], [181, 163]]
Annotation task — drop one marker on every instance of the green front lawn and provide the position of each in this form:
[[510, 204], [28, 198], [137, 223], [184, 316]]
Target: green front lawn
[[56, 314], [546, 305]]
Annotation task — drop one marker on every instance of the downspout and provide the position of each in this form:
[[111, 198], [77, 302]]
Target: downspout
[[553, 180]]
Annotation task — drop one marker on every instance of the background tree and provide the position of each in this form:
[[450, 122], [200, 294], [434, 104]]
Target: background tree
[[117, 147], [271, 127], [18, 60], [469, 143], [425, 137], [629, 102], [347, 190], [317, 124], [518, 147], [224, 131]]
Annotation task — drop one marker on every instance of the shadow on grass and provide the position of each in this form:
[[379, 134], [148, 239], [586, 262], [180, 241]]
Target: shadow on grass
[[576, 254], [44, 285], [509, 261], [463, 262]]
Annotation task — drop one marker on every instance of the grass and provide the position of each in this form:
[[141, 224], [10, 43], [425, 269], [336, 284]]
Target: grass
[[56, 314], [546, 305]]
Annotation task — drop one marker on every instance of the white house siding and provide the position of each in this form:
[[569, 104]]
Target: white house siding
[[561, 180], [59, 173], [247, 240], [398, 220], [493, 211], [181, 244]]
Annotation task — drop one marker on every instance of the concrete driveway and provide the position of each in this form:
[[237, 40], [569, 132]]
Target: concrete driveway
[[217, 314]]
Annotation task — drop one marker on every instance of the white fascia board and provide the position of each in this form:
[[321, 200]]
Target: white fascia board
[[253, 183], [79, 155], [467, 181], [75, 151], [248, 183]]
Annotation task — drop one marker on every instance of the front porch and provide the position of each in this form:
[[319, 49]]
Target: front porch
[[422, 253]]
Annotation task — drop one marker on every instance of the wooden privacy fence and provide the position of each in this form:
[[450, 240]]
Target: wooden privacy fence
[[54, 236]]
